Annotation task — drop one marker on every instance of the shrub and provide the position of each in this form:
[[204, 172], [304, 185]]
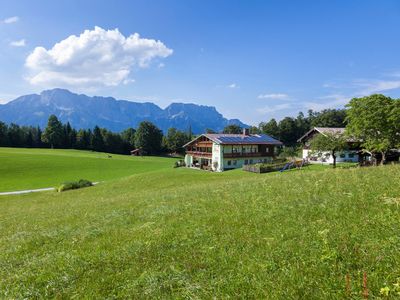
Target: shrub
[[179, 163], [72, 185]]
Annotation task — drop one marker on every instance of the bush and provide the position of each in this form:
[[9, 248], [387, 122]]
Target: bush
[[73, 185], [179, 163], [275, 165]]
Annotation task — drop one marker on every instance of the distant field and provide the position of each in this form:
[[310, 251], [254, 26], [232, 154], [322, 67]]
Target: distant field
[[180, 233], [39, 168]]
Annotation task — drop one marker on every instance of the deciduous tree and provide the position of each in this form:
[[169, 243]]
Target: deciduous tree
[[374, 120], [148, 137], [330, 141]]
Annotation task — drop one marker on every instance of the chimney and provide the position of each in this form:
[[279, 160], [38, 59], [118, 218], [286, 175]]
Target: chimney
[[246, 131]]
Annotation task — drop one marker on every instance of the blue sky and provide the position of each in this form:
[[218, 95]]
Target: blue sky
[[252, 60]]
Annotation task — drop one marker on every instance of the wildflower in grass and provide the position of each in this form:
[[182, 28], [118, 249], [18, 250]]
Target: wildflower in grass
[[385, 291]]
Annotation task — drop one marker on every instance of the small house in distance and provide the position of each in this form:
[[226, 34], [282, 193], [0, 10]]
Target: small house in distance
[[219, 152], [353, 154], [137, 152]]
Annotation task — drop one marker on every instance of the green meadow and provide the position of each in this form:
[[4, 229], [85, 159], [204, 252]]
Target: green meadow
[[152, 231], [40, 168]]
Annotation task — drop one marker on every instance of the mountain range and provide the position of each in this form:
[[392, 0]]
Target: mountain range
[[83, 111]]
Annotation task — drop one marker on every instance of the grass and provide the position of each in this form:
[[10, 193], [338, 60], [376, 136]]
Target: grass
[[180, 233], [40, 168]]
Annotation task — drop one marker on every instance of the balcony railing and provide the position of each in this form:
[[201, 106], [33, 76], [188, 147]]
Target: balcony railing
[[200, 154], [246, 154]]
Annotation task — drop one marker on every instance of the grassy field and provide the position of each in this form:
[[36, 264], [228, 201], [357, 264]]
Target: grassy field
[[180, 233], [40, 168]]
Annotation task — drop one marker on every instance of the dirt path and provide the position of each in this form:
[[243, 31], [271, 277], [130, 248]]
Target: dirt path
[[32, 191], [26, 191]]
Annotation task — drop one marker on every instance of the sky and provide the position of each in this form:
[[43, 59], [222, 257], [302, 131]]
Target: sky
[[252, 60]]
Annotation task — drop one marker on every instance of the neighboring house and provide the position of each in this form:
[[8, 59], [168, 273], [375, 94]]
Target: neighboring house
[[219, 152], [137, 152], [353, 154]]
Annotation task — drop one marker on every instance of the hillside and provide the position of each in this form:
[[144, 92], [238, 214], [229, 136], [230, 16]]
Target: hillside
[[85, 112], [23, 169], [180, 233]]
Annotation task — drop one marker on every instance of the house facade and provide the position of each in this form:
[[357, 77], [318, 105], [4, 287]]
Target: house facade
[[352, 154], [219, 152]]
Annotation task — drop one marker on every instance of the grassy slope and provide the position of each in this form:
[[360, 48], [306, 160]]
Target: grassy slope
[[39, 168], [179, 233]]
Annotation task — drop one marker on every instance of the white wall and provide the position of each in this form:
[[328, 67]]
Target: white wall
[[325, 157], [217, 158]]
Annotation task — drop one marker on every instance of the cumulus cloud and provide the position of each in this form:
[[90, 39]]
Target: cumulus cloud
[[11, 20], [20, 43], [95, 58], [273, 96]]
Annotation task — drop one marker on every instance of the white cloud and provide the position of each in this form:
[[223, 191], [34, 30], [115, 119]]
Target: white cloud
[[233, 86], [376, 86], [94, 58], [128, 81], [273, 96], [20, 43], [274, 108], [329, 101], [11, 20]]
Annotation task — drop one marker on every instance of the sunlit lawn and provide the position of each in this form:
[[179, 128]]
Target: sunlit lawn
[[179, 233]]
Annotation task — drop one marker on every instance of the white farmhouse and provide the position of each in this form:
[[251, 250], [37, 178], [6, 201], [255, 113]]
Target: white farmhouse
[[219, 152], [351, 155]]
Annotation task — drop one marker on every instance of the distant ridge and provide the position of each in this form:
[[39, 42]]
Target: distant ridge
[[85, 112]]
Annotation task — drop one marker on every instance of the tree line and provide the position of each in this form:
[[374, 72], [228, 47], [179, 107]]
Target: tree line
[[374, 120], [290, 129], [147, 137]]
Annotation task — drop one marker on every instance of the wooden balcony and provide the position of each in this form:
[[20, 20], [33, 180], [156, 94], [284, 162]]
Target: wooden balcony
[[199, 154], [246, 154]]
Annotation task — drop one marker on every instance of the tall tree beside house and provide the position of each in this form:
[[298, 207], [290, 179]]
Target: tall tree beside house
[[148, 137], [175, 139], [288, 131], [329, 141], [254, 130], [394, 118], [328, 118], [374, 121], [271, 128], [53, 134], [233, 129]]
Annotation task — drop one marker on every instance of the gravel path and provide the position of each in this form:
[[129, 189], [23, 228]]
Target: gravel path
[[31, 191]]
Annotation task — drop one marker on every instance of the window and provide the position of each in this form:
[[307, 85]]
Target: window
[[342, 155], [251, 161], [229, 162], [351, 155], [246, 161], [235, 162]]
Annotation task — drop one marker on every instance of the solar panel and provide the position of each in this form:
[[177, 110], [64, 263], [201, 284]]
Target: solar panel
[[243, 139]]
